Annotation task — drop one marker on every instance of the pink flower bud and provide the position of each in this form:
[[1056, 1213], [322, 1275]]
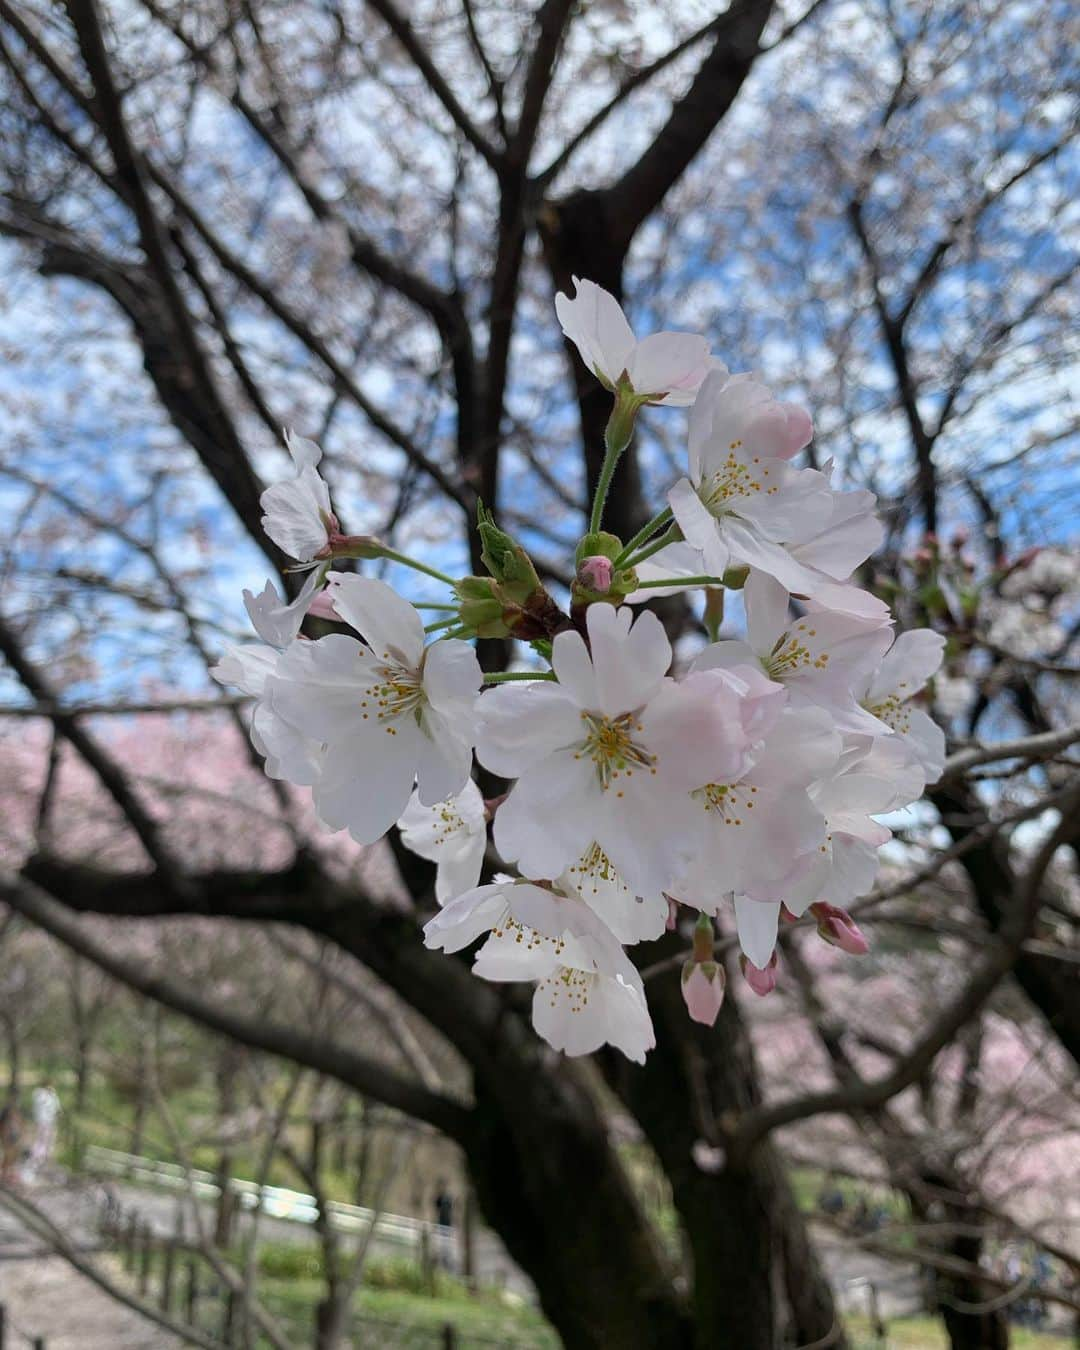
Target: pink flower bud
[[594, 572], [839, 929], [762, 982], [703, 990]]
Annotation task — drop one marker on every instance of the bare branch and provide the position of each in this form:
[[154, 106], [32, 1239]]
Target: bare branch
[[450, 1116]]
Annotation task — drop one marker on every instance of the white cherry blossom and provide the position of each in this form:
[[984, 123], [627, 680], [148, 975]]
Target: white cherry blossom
[[588, 992], [296, 512], [609, 754], [834, 547], [761, 833], [743, 501], [665, 367], [871, 778], [453, 835], [819, 658], [910, 662], [390, 711], [632, 918]]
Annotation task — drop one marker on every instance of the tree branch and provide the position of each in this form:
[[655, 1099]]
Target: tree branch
[[450, 1116], [864, 1096]]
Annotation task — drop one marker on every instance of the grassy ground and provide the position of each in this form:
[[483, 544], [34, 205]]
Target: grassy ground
[[391, 1318], [926, 1333]]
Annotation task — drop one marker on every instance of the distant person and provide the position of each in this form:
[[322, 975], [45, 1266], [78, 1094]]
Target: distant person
[[45, 1109], [444, 1207], [831, 1199], [11, 1138]]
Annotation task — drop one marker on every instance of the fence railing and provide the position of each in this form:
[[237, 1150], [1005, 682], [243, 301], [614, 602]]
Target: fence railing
[[167, 1269], [276, 1202]]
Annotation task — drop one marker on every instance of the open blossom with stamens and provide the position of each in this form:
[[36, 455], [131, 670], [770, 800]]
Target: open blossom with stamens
[[453, 835], [761, 833], [819, 658], [665, 367], [390, 711], [903, 673], [743, 501], [296, 513], [588, 992], [632, 918], [610, 753]]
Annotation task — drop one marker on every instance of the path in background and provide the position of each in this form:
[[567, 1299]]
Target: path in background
[[45, 1297]]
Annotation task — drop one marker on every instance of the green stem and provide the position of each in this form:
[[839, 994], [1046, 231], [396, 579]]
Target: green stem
[[680, 581], [452, 622], [506, 676], [671, 536], [617, 436], [427, 604], [646, 532], [406, 561]]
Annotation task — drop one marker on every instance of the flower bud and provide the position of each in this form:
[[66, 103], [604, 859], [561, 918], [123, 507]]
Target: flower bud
[[839, 929], [762, 982], [594, 573], [480, 607], [703, 990], [506, 560]]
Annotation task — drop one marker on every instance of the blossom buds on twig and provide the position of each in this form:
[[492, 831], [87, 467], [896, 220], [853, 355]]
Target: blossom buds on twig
[[703, 978], [839, 929]]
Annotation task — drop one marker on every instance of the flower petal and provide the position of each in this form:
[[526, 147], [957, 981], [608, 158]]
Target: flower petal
[[387, 622]]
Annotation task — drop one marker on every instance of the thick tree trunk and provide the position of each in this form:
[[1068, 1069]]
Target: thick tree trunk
[[549, 1181], [748, 1241]]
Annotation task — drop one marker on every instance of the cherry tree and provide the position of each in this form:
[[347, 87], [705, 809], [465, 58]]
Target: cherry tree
[[210, 200]]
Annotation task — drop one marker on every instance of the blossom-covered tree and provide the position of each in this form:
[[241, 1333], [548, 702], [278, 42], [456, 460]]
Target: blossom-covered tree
[[213, 194]]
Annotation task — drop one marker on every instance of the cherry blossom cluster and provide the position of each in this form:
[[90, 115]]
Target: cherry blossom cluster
[[624, 786]]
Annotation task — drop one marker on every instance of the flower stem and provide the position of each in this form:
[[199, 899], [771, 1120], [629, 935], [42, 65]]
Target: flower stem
[[680, 581], [428, 604], [406, 561], [506, 676], [646, 532], [450, 622], [670, 536], [617, 436]]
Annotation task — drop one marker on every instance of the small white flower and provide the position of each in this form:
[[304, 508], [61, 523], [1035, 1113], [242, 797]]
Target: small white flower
[[871, 778], [296, 513], [665, 367], [834, 547], [761, 833], [913, 658], [390, 711], [819, 658], [588, 992], [632, 918], [743, 500], [453, 835]]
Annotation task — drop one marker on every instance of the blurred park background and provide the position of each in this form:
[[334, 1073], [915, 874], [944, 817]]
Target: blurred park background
[[242, 1105]]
